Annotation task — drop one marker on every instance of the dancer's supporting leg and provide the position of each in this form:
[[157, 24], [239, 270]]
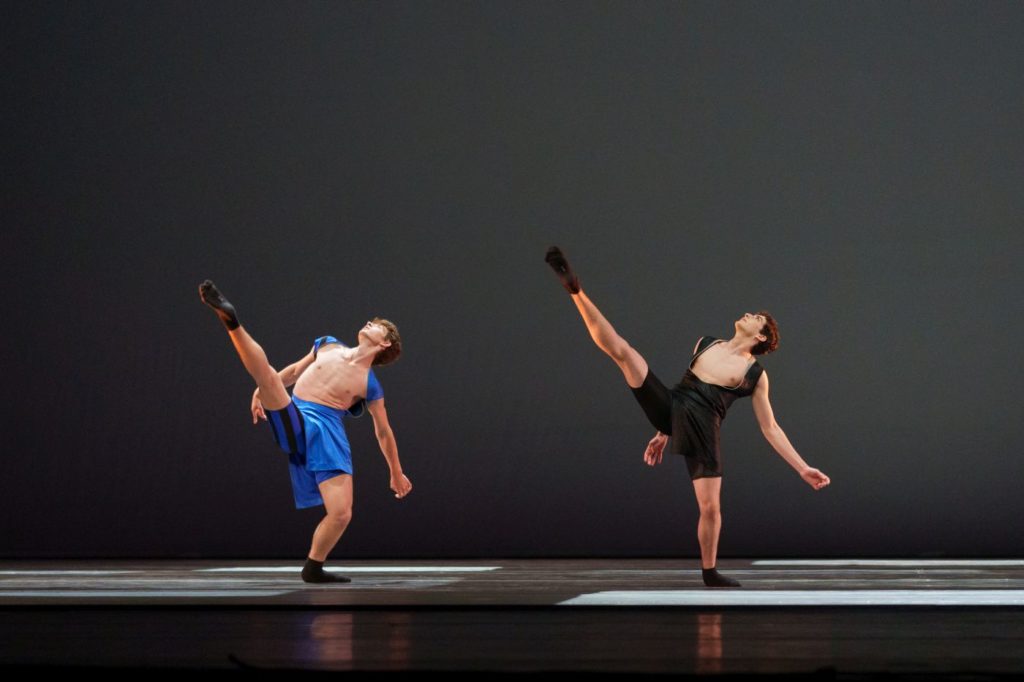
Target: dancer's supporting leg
[[272, 391], [337, 494], [709, 494]]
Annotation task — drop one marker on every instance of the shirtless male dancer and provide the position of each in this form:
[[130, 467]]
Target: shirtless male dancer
[[692, 412], [308, 426]]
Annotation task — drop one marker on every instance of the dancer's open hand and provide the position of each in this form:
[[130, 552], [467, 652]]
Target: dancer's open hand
[[257, 408], [655, 449], [401, 485], [815, 478]]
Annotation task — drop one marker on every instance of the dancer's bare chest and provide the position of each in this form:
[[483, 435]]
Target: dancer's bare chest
[[716, 365], [333, 380]]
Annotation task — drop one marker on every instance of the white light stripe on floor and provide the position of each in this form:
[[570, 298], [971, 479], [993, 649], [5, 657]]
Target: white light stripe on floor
[[136, 594], [882, 563], [67, 572], [352, 569], [742, 597]]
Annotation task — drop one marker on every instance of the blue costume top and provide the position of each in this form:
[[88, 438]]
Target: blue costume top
[[314, 437]]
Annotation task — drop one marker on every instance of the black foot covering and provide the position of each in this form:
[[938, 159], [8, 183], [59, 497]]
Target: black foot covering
[[213, 298], [712, 578], [558, 262], [313, 572]]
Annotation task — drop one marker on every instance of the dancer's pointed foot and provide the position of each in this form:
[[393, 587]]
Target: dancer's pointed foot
[[212, 297], [712, 578], [558, 262]]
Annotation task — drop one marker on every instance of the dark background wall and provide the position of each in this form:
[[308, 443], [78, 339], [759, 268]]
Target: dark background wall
[[856, 168]]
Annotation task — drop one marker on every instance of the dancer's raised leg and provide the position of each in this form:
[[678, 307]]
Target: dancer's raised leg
[[272, 391], [632, 364]]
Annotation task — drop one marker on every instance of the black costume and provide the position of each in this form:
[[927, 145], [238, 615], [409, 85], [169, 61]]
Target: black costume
[[692, 412]]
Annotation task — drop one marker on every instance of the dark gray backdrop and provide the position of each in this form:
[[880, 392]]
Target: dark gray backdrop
[[856, 168]]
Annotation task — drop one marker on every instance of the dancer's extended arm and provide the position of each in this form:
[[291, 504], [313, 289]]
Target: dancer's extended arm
[[774, 434], [386, 438]]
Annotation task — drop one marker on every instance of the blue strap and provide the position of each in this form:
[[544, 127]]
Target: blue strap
[[323, 341]]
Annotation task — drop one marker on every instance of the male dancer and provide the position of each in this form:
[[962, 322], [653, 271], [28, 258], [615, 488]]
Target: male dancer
[[308, 424], [692, 411]]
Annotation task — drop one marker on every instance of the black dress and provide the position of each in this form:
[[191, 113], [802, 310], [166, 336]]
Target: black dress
[[693, 410]]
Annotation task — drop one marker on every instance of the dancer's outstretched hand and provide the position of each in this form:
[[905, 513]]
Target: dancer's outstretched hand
[[655, 449], [257, 408], [815, 478], [401, 485]]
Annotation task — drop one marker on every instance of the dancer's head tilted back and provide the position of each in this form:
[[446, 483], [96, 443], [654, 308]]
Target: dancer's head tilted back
[[761, 327], [384, 334]]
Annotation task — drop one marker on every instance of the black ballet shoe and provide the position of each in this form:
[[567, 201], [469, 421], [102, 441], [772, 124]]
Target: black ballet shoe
[[712, 578], [313, 572], [558, 262], [212, 297]]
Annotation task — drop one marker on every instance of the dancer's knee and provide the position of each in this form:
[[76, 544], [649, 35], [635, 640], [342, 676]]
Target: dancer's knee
[[340, 517], [710, 511], [633, 366], [273, 394], [617, 349]]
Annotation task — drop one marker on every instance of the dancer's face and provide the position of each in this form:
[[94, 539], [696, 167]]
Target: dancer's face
[[375, 333], [750, 324]]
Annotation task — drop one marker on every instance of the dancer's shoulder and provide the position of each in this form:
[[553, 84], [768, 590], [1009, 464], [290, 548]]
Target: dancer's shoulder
[[702, 343], [322, 341]]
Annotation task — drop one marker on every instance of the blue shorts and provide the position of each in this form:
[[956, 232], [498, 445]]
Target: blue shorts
[[314, 438]]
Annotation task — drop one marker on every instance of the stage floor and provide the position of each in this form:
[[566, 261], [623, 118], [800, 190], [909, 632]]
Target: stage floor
[[908, 617]]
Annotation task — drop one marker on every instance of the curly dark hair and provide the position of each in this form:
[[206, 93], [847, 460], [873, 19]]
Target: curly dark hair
[[391, 353], [771, 333]]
